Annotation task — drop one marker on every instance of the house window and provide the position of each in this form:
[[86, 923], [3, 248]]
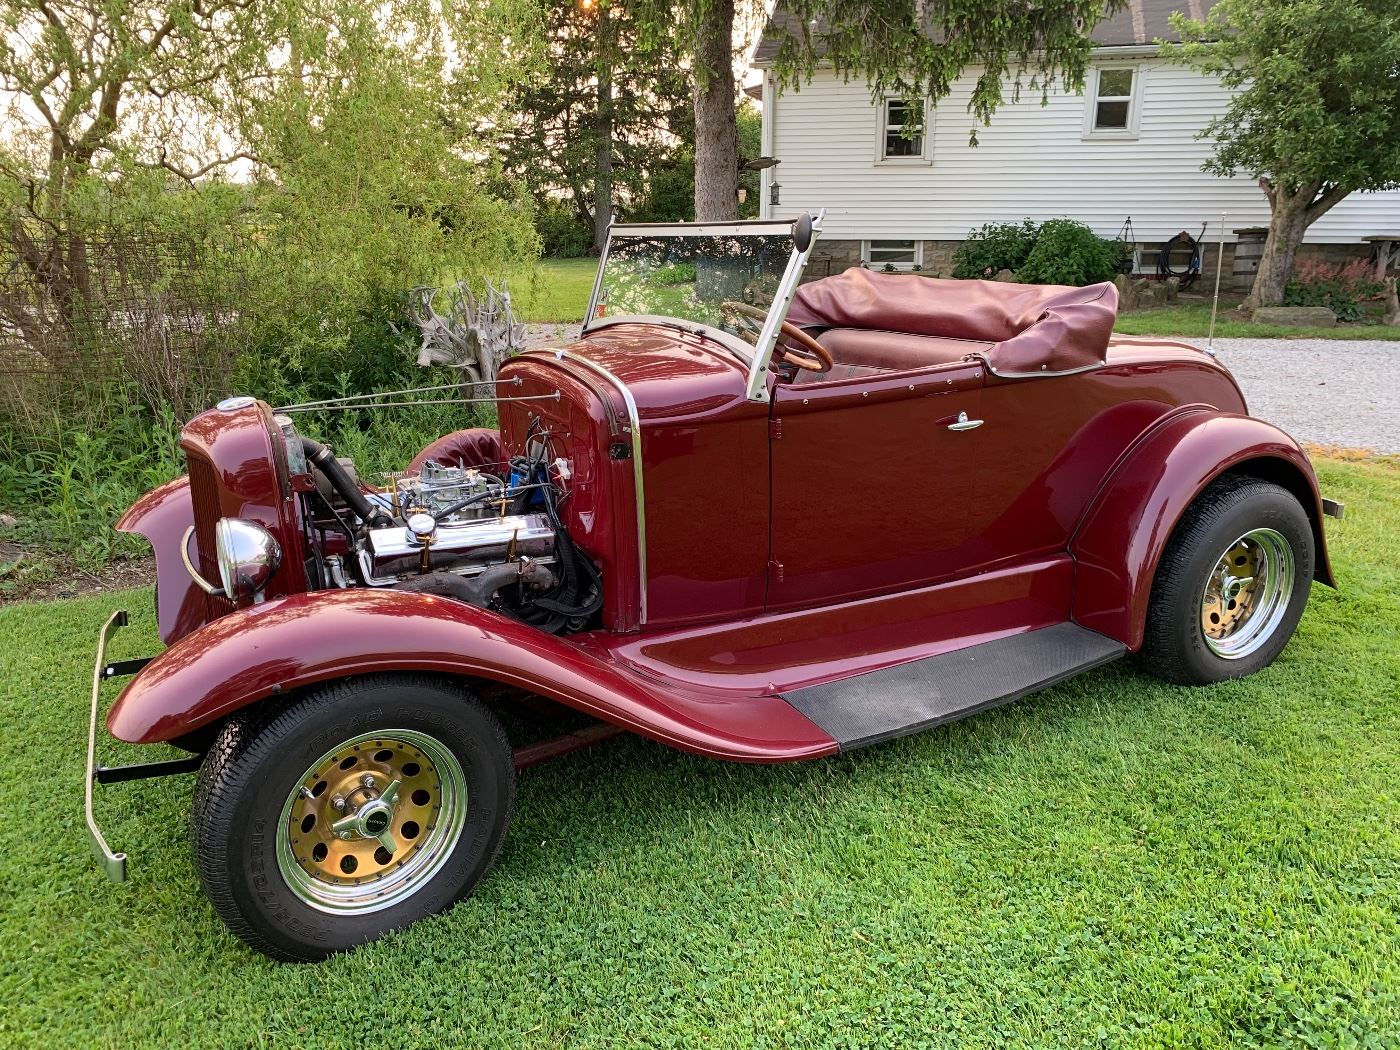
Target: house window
[[901, 129], [899, 255], [1113, 107]]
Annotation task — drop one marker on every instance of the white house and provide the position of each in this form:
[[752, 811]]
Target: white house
[[1126, 147]]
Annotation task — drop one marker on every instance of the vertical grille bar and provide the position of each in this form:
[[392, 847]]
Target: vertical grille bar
[[204, 495]]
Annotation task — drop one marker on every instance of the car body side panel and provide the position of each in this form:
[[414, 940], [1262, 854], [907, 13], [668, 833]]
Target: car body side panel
[[705, 463], [1049, 442], [1121, 538], [289, 643]]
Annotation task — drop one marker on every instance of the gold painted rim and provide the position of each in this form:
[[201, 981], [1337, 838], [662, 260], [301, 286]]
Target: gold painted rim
[[371, 821]]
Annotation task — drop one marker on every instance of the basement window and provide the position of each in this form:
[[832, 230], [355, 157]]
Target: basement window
[[901, 255]]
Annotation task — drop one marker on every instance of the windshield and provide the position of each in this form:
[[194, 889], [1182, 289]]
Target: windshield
[[727, 279]]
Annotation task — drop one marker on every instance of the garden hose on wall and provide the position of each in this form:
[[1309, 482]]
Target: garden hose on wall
[[1182, 246]]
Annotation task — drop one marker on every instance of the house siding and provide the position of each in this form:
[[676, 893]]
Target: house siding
[[1033, 162]]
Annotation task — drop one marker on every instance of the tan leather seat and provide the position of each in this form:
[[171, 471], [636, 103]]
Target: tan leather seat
[[896, 350]]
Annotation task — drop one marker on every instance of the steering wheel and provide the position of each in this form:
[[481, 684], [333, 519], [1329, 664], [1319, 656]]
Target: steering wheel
[[813, 357]]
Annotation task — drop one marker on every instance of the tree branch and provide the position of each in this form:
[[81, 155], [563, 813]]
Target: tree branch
[[1324, 203], [205, 169]]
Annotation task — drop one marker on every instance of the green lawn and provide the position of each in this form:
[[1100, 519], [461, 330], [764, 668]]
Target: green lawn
[[1113, 862], [554, 291], [1193, 319]]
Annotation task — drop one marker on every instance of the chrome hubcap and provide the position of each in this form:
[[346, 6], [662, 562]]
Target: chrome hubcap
[[1247, 593], [371, 821]]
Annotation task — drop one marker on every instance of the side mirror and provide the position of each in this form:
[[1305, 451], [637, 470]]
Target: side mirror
[[802, 233]]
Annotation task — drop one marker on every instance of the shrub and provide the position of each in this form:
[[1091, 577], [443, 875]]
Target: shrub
[[1341, 287], [994, 247], [563, 235], [1068, 252]]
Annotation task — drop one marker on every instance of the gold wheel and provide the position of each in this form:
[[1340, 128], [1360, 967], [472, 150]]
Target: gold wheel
[[1246, 594], [371, 821]]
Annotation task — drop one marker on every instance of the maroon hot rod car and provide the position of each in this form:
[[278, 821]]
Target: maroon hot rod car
[[751, 518]]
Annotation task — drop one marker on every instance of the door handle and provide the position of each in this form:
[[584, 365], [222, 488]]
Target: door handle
[[963, 423]]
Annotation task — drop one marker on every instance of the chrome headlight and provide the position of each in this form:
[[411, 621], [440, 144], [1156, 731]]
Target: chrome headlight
[[248, 555]]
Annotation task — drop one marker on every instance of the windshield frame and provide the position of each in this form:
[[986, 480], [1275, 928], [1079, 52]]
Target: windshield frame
[[761, 353]]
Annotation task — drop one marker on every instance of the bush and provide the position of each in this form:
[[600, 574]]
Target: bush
[[994, 247], [563, 235], [1068, 252], [1341, 287]]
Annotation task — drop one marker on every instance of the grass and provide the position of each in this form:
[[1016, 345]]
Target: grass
[[556, 291], [1113, 862], [1193, 320]]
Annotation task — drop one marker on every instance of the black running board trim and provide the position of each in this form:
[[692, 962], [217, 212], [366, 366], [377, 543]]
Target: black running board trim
[[909, 698]]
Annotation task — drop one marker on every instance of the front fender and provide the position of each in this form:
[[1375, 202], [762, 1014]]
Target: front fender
[[162, 516], [292, 642], [1121, 538]]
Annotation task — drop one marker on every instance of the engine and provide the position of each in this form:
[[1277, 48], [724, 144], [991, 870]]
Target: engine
[[493, 540]]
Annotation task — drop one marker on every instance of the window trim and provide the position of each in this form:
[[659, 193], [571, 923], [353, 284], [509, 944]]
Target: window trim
[[1134, 99], [908, 267], [882, 111]]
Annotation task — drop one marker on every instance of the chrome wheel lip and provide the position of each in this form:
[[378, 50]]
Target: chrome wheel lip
[[1275, 563], [433, 852]]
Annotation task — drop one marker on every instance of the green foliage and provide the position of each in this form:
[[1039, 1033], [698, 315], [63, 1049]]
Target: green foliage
[[892, 45], [1341, 287], [612, 86], [563, 232], [994, 247], [1315, 89], [1068, 252], [670, 191], [1113, 862], [362, 137], [1061, 251]]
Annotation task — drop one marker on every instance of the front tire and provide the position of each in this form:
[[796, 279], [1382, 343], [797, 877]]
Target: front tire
[[357, 809], [1231, 586]]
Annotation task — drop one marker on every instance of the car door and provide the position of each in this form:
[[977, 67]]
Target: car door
[[869, 477]]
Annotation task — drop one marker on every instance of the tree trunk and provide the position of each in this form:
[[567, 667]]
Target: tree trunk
[[603, 134], [1286, 228], [1392, 302], [716, 132]]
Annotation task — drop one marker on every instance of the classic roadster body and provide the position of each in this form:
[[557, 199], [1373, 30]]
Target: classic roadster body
[[748, 518]]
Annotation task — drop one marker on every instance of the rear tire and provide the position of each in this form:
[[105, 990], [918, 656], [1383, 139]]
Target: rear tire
[[354, 810], [1231, 586]]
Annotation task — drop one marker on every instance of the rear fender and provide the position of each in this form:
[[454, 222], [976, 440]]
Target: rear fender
[[290, 643], [1121, 537]]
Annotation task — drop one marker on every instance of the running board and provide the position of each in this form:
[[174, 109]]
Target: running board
[[895, 701]]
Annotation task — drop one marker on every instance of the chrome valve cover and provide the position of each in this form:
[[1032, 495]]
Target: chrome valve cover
[[391, 554]]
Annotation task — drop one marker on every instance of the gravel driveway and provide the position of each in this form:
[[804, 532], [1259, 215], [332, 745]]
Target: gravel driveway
[[1328, 391]]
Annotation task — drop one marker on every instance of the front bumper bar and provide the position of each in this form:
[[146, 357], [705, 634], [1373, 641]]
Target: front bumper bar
[[114, 864]]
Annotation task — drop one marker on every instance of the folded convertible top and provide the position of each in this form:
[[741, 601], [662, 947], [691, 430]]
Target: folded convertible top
[[1036, 328]]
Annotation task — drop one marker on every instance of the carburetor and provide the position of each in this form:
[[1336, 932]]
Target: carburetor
[[437, 488]]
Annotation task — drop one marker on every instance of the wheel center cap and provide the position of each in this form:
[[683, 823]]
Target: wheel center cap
[[374, 819]]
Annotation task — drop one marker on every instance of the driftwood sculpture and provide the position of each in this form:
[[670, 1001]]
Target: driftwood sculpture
[[472, 335]]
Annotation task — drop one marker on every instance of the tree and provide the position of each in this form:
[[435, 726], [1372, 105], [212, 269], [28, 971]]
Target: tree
[[316, 159], [1314, 117], [914, 47], [611, 109]]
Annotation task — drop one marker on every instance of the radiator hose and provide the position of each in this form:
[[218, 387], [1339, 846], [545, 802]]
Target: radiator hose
[[324, 460]]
